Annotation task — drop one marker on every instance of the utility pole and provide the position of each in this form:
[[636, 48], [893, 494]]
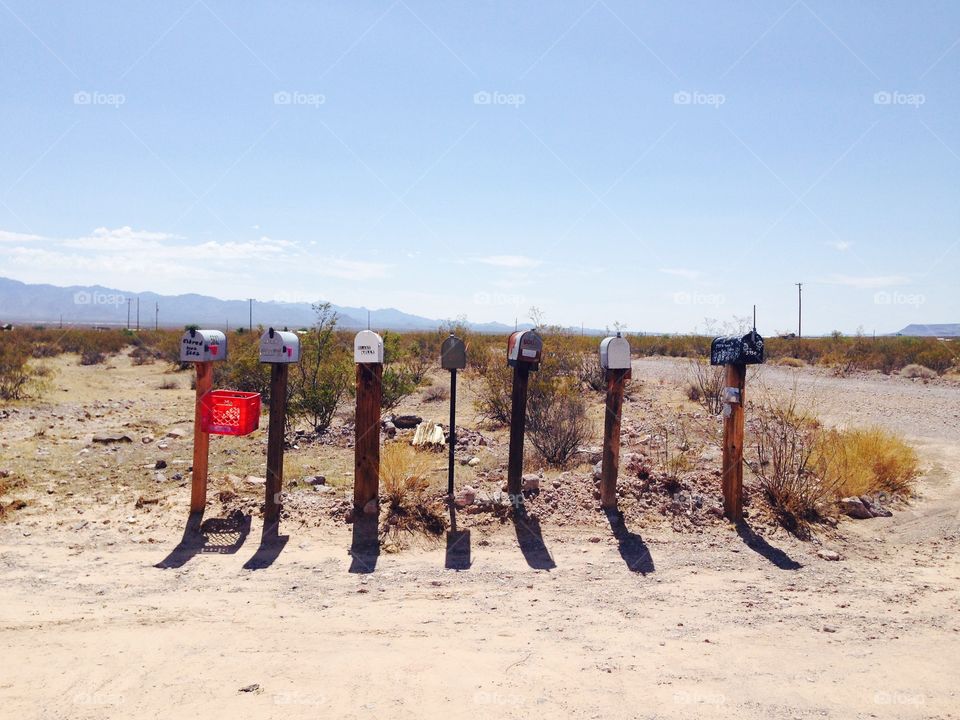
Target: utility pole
[[799, 310], [138, 313], [250, 325], [156, 316], [128, 312]]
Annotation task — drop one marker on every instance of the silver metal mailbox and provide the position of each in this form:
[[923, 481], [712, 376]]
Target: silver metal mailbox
[[279, 346], [203, 346], [525, 347], [615, 353], [367, 347], [453, 354]]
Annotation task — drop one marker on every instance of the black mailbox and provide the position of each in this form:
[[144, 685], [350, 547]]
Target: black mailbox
[[746, 350], [453, 354]]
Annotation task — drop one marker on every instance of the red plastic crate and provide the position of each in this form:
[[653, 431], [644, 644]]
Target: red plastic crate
[[229, 412]]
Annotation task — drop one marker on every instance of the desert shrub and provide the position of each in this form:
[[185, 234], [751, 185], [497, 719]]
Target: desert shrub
[[242, 370], [791, 362], [866, 461], [786, 436], [16, 376], [672, 455], [918, 371], [706, 385], [556, 419], [322, 376], [169, 384], [45, 350], [590, 373], [398, 383], [141, 355], [493, 397], [436, 393]]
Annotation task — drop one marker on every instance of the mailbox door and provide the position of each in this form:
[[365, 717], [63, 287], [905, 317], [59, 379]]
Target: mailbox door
[[453, 354], [367, 347]]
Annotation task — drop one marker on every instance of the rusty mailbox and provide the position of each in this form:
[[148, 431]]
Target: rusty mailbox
[[525, 349]]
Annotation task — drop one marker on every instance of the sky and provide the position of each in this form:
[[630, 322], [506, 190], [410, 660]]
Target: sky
[[662, 165]]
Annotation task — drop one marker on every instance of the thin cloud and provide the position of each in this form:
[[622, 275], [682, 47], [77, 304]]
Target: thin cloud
[[685, 273], [867, 281], [509, 261]]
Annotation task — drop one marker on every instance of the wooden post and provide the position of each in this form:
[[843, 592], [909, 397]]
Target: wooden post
[[275, 435], [453, 430], [611, 438], [201, 440], [733, 445], [366, 480], [518, 419]]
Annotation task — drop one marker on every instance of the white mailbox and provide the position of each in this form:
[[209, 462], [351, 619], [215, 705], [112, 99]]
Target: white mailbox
[[367, 347], [203, 346], [279, 346], [615, 353]]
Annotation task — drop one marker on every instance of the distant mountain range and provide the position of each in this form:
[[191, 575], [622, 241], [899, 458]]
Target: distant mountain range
[[98, 305], [941, 330]]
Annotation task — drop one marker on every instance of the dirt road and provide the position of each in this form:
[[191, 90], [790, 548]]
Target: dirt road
[[99, 621]]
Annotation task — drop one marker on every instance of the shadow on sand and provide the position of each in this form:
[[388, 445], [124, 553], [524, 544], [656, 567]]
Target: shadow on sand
[[365, 547], [271, 545], [760, 546], [458, 545], [633, 549], [221, 536], [530, 540]]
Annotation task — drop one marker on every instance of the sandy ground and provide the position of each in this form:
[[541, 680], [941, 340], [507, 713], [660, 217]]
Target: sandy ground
[[104, 613]]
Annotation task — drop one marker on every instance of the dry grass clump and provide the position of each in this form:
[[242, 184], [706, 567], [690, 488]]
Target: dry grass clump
[[404, 482], [866, 461], [791, 362], [918, 371]]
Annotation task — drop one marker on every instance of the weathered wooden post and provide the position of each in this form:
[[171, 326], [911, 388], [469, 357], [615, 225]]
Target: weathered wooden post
[[615, 363], [453, 357], [524, 352], [201, 347], [368, 356], [280, 349], [735, 353]]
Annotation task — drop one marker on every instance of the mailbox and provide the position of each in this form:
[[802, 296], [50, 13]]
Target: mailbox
[[615, 353], [203, 346], [525, 347], [367, 347], [279, 346], [453, 354], [746, 350]]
